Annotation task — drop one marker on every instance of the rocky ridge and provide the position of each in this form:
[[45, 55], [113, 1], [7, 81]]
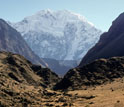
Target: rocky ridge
[[96, 73]]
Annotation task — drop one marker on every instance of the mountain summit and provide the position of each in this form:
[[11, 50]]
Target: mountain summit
[[60, 35]]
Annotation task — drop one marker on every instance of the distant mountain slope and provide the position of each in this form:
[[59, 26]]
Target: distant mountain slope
[[96, 73], [60, 35], [12, 41], [110, 44], [60, 67]]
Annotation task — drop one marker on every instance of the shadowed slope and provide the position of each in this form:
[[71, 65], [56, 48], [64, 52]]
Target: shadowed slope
[[110, 44], [12, 41]]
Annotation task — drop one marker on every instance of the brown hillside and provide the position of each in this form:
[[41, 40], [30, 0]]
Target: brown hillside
[[95, 73], [16, 67]]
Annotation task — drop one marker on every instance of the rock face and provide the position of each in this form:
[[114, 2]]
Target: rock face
[[12, 41], [17, 68], [110, 44], [60, 35], [95, 73]]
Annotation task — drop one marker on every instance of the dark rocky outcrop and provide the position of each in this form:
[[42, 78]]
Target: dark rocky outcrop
[[110, 44], [95, 73], [49, 78], [12, 41]]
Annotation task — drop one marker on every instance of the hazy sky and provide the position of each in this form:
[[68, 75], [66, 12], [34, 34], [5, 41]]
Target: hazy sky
[[100, 12]]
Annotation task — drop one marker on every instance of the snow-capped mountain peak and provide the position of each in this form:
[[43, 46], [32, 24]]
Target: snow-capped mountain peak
[[58, 34]]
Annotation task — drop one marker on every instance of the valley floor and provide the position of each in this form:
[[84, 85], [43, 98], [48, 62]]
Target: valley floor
[[107, 95]]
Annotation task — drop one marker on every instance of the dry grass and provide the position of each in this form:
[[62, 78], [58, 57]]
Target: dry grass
[[107, 95], [24, 94]]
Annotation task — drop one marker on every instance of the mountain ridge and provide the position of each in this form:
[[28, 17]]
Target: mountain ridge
[[98, 72], [110, 43]]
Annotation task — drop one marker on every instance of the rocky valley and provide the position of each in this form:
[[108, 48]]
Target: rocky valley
[[26, 80], [26, 85]]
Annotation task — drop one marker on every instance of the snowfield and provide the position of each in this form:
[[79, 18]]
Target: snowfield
[[60, 35]]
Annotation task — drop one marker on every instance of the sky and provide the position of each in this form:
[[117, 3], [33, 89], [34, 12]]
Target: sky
[[100, 12]]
